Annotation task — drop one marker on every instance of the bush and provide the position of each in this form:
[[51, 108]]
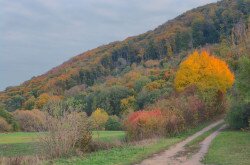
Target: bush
[[113, 124], [9, 119], [144, 124], [239, 115], [30, 121], [4, 126], [67, 134]]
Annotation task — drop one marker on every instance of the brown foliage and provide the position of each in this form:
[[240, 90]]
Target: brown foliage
[[30, 120]]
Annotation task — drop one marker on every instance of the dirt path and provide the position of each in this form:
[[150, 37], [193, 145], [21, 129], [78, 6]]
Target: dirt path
[[172, 157]]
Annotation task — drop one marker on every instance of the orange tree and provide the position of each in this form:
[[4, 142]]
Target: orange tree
[[210, 75], [204, 71]]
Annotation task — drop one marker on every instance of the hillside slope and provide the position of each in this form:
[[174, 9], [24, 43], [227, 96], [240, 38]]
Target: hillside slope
[[211, 26]]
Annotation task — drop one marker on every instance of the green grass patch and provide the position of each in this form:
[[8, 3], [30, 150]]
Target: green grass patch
[[19, 149], [18, 144], [229, 148], [108, 136], [18, 137]]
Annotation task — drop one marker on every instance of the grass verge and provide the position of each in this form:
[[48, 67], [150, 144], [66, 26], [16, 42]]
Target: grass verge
[[229, 148]]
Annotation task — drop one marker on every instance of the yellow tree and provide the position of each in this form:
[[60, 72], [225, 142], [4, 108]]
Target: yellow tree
[[205, 72], [99, 117]]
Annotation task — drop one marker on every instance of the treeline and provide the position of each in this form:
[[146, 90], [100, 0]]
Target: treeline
[[217, 26]]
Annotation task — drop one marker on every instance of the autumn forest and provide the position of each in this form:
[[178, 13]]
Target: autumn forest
[[188, 71]]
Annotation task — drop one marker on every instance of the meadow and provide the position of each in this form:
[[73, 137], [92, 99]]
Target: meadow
[[26, 143], [230, 148]]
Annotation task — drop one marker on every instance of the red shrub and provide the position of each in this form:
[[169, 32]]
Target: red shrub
[[144, 124]]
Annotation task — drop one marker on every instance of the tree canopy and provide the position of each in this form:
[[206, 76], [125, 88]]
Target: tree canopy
[[205, 71]]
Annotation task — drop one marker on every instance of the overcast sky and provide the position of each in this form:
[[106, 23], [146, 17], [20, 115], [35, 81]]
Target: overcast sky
[[36, 35]]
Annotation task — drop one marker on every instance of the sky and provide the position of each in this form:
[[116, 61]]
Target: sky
[[37, 35]]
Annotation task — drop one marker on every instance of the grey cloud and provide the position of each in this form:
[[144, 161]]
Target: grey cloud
[[37, 35]]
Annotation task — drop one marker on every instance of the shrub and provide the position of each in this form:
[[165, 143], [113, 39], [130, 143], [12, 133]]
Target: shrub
[[239, 115], [144, 124], [113, 124], [174, 122], [67, 134], [30, 120], [4, 126]]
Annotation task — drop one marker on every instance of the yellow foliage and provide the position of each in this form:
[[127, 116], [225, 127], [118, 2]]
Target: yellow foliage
[[99, 117], [204, 71], [128, 102], [44, 98], [155, 85]]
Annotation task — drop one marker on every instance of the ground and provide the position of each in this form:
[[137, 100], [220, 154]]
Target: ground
[[178, 154]]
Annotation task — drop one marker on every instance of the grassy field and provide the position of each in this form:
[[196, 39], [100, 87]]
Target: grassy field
[[16, 144], [229, 148], [22, 143]]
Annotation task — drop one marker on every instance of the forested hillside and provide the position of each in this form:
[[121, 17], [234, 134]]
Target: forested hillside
[[130, 75]]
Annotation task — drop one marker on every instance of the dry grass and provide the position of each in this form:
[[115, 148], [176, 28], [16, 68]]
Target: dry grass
[[21, 160]]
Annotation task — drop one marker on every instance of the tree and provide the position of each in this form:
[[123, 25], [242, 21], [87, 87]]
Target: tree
[[14, 102], [139, 84], [242, 83], [42, 100], [204, 71], [30, 103], [99, 117], [110, 99], [128, 104], [151, 51], [113, 124]]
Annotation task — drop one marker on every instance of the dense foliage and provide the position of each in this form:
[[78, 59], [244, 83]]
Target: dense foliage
[[205, 72], [137, 61], [239, 115], [8, 118]]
